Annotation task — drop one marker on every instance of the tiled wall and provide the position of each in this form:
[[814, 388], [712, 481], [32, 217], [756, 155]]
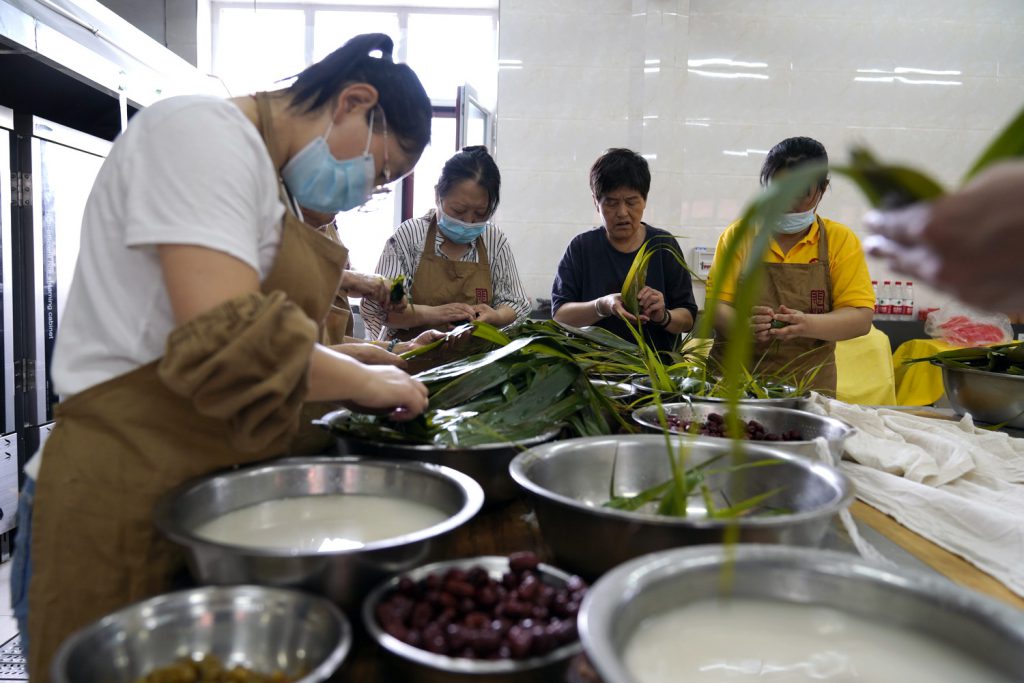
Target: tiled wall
[[705, 87]]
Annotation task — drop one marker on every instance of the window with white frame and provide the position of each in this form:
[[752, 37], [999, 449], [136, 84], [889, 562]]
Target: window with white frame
[[261, 45], [258, 46]]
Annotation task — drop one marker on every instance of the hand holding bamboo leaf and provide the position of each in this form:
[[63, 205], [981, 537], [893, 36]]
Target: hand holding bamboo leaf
[[968, 242]]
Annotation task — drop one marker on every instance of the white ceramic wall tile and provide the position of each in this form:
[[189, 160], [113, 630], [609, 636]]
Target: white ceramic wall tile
[[542, 197], [574, 7], [628, 72], [556, 39], [564, 92]]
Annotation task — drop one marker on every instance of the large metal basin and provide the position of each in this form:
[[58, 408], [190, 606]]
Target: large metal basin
[[263, 629], [486, 463], [959, 619], [568, 481], [991, 397], [775, 420], [342, 575]]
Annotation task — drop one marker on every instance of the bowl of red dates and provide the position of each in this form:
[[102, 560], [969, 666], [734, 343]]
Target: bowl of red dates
[[488, 618], [790, 430]]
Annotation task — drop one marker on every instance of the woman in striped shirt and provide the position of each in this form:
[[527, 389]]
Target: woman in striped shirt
[[458, 265]]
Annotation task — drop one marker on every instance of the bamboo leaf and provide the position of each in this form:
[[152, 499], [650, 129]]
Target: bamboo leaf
[[1008, 144], [888, 186], [636, 277]]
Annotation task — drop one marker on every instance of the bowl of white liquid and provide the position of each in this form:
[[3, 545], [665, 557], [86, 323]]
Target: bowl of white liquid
[[332, 526], [774, 613]]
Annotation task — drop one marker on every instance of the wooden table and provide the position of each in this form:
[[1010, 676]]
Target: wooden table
[[505, 529]]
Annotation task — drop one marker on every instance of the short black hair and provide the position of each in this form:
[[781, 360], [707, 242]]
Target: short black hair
[[791, 153], [472, 163], [401, 96], [620, 168]]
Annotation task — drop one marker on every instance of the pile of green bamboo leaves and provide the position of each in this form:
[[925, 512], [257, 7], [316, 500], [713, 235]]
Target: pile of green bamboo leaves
[[1004, 358], [521, 387]]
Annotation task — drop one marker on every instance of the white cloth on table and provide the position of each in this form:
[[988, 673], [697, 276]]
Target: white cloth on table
[[955, 484]]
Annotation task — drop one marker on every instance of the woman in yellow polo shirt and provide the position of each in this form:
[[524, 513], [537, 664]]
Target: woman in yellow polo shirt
[[816, 282]]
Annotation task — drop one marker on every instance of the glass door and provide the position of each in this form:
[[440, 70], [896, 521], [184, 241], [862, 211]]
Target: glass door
[[475, 122]]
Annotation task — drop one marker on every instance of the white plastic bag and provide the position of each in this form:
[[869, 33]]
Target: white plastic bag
[[960, 325]]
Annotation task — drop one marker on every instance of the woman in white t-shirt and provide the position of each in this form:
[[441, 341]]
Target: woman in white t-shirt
[[189, 339]]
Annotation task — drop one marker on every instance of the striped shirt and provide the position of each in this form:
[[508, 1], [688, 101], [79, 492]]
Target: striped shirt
[[402, 254]]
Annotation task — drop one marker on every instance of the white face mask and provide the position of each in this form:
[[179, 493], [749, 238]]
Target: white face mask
[[792, 223]]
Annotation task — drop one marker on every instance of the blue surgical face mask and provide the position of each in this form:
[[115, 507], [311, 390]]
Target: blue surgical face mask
[[458, 231], [792, 223], [323, 183]]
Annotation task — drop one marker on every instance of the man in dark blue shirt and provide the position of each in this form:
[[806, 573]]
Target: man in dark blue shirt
[[594, 266]]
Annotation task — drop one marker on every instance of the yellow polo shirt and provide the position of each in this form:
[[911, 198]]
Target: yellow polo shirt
[[851, 283]]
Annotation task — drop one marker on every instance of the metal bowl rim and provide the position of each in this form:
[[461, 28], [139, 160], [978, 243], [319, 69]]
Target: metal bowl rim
[[627, 388], [459, 664], [848, 429], [643, 382], [326, 668], [471, 490], [840, 483], [326, 422], [624, 582], [978, 371]]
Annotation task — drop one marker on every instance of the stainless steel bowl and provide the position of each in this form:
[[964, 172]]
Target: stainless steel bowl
[[263, 629], [426, 667], [617, 391], [776, 420], [342, 575], [569, 481], [795, 402], [486, 463], [988, 396], [928, 605], [644, 385]]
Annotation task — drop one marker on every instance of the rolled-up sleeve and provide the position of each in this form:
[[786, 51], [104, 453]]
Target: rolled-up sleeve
[[390, 266]]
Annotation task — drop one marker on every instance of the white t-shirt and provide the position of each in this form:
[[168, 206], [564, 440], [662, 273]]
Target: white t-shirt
[[187, 170]]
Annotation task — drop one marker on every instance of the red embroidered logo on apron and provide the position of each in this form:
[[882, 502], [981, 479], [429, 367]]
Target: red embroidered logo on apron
[[481, 295], [817, 301]]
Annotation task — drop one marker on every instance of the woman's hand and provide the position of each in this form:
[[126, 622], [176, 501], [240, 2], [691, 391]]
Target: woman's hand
[[370, 354], [373, 287], [485, 313], [612, 304], [446, 314], [389, 389], [799, 324], [422, 339], [652, 305], [967, 243], [761, 322]]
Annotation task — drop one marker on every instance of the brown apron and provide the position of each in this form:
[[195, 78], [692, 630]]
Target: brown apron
[[118, 446], [339, 323], [803, 287], [440, 281], [311, 439]]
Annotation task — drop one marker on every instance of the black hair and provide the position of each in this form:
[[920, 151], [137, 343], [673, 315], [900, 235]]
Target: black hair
[[472, 163], [400, 94], [791, 153], [620, 168]]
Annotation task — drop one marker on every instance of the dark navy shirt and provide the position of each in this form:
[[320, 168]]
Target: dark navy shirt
[[591, 267]]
